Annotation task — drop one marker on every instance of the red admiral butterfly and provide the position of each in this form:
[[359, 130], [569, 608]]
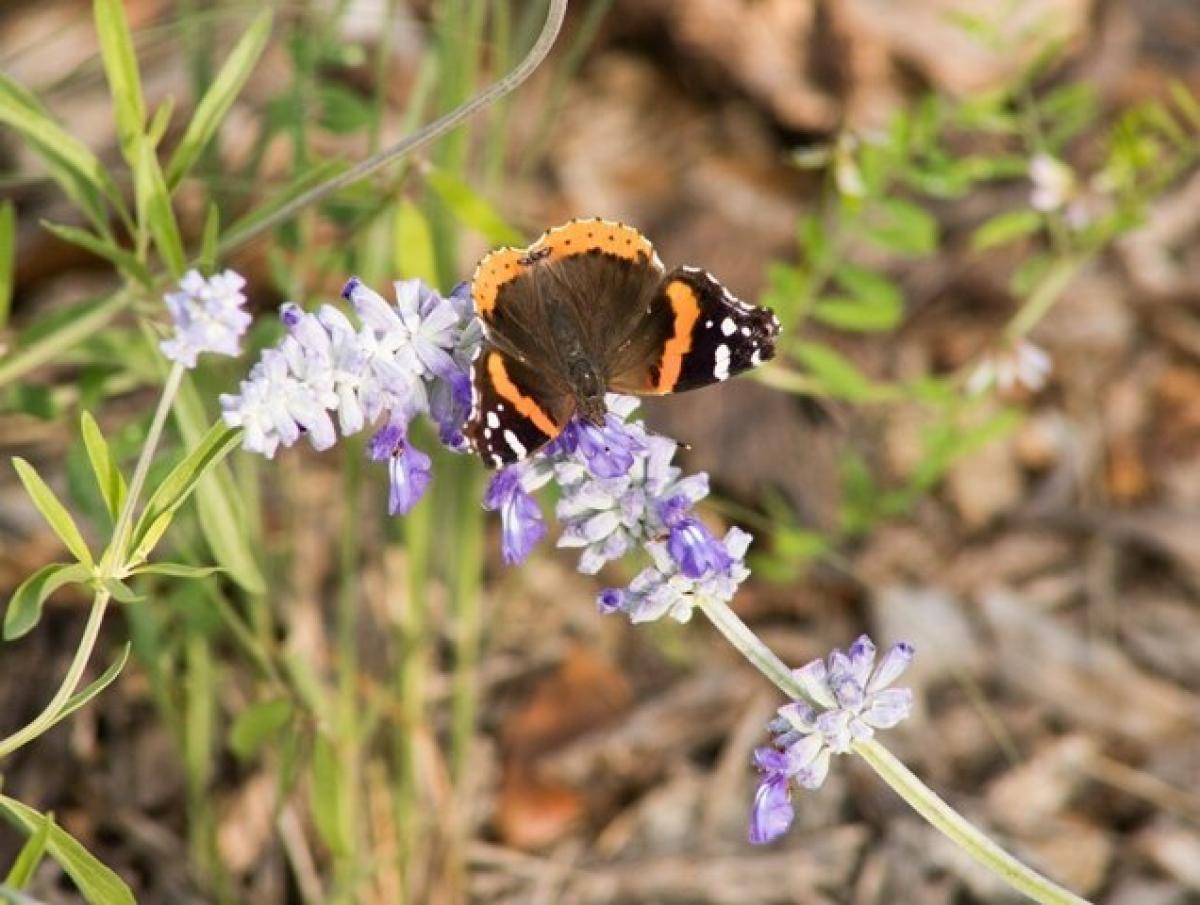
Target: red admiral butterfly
[[587, 309]]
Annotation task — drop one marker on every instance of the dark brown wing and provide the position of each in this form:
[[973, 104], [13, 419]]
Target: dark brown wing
[[513, 410], [694, 333]]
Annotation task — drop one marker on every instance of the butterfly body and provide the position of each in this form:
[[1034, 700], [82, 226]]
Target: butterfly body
[[587, 310]]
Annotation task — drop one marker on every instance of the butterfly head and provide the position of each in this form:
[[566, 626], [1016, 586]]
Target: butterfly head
[[588, 386]]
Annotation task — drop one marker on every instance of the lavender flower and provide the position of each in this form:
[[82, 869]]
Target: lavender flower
[[208, 316], [1019, 364], [664, 589], [856, 700], [408, 467], [522, 522], [398, 362]]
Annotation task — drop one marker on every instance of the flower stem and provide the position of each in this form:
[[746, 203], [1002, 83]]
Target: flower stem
[[435, 130], [115, 555], [83, 653], [958, 830], [920, 797], [113, 563]]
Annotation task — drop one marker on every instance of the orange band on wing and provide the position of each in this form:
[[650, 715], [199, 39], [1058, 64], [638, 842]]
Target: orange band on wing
[[686, 307], [580, 236], [498, 268], [510, 392]]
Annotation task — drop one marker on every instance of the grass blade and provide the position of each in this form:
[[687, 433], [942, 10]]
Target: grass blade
[[97, 883], [121, 69], [219, 98], [8, 256]]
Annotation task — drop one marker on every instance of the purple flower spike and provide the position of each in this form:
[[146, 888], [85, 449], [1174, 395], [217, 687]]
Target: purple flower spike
[[855, 701], [408, 467], [610, 601], [521, 520], [208, 317], [695, 549]]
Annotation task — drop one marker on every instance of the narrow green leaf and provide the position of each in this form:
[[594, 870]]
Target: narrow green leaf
[[123, 260], [176, 570], [258, 724], [856, 314], [159, 122], [97, 883], [149, 540], [209, 238], [219, 98], [343, 111], [154, 205], [1186, 101], [326, 786], [414, 253], [836, 373], [218, 506], [902, 227], [1006, 227], [182, 479], [472, 209], [85, 695], [85, 318], [869, 286], [75, 168], [108, 476], [30, 855], [8, 256], [120, 67], [121, 592], [25, 606], [53, 511]]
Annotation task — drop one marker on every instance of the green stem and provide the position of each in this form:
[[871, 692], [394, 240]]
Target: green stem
[[468, 556], [920, 797], [114, 557], [49, 715], [958, 830], [1047, 292]]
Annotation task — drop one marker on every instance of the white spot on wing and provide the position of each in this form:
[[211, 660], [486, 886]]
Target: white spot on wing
[[721, 368], [514, 444], [493, 420], [728, 327], [756, 357]]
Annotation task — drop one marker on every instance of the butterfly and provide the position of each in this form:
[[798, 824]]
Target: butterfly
[[586, 310]]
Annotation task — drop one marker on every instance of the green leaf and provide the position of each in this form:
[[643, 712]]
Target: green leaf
[[257, 724], [327, 779], [875, 302], [149, 540], [218, 507], [902, 227], [30, 855], [120, 67], [219, 97], [471, 208], [8, 255], [123, 260], [75, 168], [159, 122], [108, 476], [837, 374], [97, 883], [154, 206], [209, 239], [121, 592], [53, 511], [70, 325], [414, 253], [1006, 227], [175, 570], [1186, 101], [25, 606], [182, 479], [86, 695], [343, 110]]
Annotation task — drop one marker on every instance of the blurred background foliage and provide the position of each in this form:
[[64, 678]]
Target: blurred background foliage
[[364, 708]]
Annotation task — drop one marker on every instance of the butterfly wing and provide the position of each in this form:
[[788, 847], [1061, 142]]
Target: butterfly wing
[[695, 332], [514, 409]]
